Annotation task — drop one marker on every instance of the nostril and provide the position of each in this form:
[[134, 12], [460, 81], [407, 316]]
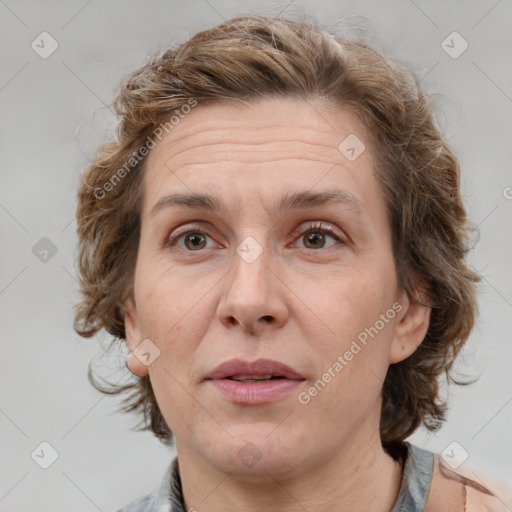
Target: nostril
[[268, 318]]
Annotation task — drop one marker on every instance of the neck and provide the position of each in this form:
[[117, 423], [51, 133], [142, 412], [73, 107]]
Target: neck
[[359, 477]]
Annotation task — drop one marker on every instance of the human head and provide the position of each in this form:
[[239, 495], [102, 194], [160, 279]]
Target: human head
[[248, 59]]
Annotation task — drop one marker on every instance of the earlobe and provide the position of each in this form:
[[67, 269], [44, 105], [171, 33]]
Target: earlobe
[[410, 329], [136, 366]]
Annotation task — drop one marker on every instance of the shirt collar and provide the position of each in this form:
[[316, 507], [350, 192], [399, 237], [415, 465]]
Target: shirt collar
[[415, 481], [169, 497]]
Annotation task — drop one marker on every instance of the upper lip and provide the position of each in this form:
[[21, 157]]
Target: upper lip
[[235, 367]]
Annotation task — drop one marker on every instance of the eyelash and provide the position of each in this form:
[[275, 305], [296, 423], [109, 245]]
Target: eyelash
[[314, 226]]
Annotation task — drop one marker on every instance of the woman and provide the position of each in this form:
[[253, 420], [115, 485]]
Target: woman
[[277, 233]]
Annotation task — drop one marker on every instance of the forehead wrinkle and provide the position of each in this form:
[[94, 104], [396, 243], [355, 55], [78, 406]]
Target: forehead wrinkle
[[172, 147], [197, 129], [190, 166], [252, 154]]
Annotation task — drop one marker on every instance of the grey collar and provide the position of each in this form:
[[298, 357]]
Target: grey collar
[[416, 480]]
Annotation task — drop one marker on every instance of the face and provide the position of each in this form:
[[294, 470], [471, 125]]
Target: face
[[266, 285]]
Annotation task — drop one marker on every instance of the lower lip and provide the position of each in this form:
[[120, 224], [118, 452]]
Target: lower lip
[[256, 392]]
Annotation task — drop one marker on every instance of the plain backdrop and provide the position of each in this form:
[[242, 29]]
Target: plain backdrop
[[55, 111]]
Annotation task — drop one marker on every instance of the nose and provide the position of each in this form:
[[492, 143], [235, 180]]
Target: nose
[[254, 296]]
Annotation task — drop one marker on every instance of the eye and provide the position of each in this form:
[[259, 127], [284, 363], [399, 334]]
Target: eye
[[193, 240], [314, 237], [316, 234]]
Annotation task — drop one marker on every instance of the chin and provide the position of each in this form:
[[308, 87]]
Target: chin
[[255, 456]]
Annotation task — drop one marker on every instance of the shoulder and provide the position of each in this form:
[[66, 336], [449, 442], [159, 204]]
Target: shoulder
[[430, 485], [455, 491], [167, 498], [142, 504]]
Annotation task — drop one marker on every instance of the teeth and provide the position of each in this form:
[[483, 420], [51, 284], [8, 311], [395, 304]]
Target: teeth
[[251, 377]]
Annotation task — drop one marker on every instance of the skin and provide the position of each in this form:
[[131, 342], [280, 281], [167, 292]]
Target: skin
[[299, 303]]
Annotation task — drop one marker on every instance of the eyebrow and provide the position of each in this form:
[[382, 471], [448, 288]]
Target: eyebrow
[[290, 201]]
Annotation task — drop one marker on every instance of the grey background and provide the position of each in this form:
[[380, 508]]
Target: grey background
[[54, 113]]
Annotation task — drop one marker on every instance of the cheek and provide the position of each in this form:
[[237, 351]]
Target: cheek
[[350, 303], [166, 301], [350, 376], [176, 321], [353, 330], [182, 413]]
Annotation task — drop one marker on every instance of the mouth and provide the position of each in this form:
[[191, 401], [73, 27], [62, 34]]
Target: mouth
[[257, 382], [251, 379], [259, 370]]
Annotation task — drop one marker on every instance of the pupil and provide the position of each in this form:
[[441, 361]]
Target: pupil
[[196, 239], [315, 237]]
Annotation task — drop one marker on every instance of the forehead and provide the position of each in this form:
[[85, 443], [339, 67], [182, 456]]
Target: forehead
[[267, 145], [262, 121]]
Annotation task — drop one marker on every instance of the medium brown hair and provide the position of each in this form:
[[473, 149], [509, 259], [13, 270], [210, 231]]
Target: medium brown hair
[[252, 57]]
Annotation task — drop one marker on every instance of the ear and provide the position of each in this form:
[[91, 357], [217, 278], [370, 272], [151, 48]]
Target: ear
[[410, 328], [133, 338]]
